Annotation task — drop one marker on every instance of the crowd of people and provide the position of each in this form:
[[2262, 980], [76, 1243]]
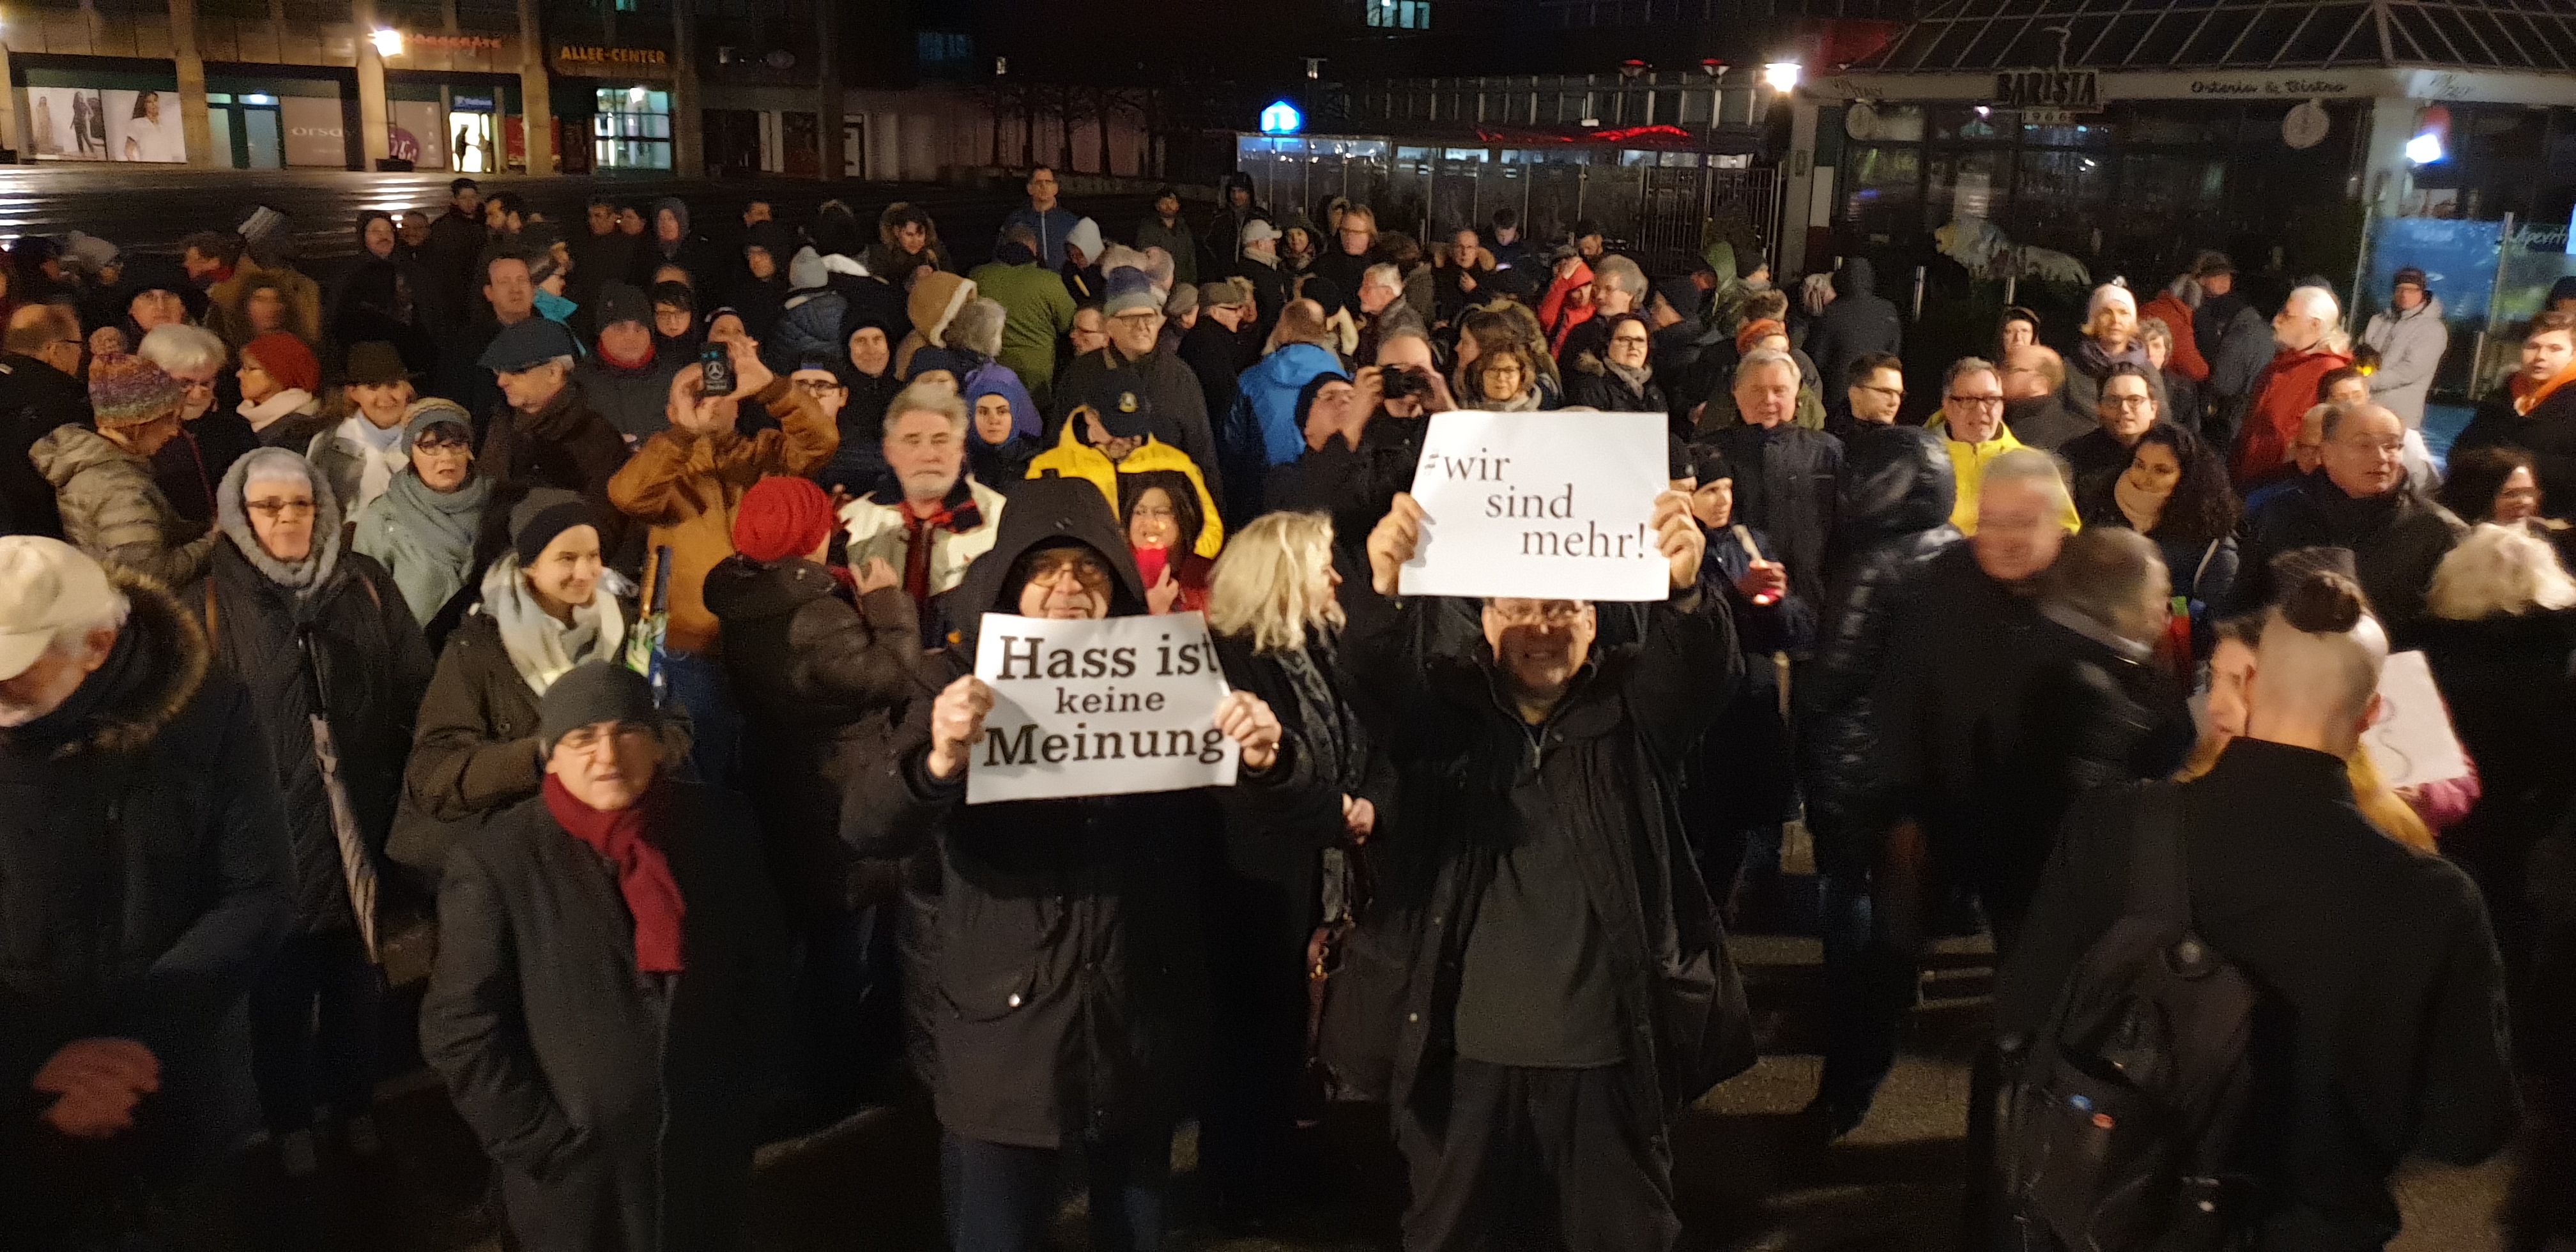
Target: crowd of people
[[564, 635]]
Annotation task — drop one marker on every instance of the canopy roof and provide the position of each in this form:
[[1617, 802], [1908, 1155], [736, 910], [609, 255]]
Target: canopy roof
[[1987, 35]]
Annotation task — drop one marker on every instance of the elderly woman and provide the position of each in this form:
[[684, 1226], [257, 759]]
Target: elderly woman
[[324, 636], [1621, 380], [211, 437], [2110, 337], [1502, 381], [278, 378], [548, 604], [361, 455], [424, 525], [1275, 619]]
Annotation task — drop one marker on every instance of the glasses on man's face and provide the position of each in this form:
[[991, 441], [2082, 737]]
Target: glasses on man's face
[[1056, 566], [2127, 402], [589, 738], [1974, 402], [1137, 321], [1550, 613], [1885, 393], [280, 510], [817, 386]]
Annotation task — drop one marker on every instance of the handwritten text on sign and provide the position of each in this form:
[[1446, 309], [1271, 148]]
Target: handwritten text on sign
[[1555, 506], [1096, 708]]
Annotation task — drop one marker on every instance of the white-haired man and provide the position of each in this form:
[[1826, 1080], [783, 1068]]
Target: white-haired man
[[2307, 345], [2383, 1032], [933, 519], [123, 1048], [1787, 477]]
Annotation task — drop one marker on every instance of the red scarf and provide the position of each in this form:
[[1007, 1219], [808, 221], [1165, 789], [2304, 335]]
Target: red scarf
[[918, 530], [643, 873], [636, 364]]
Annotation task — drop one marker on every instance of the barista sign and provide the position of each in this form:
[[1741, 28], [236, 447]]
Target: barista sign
[[2073, 91], [1098, 708]]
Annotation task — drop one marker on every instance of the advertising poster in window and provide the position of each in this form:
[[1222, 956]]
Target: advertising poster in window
[[315, 131], [86, 124], [417, 126]]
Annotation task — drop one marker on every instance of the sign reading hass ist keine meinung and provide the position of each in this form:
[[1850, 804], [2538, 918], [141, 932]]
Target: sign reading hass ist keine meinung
[[1096, 708]]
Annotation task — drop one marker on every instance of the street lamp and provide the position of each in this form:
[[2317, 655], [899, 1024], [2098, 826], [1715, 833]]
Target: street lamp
[[388, 41], [1782, 75]]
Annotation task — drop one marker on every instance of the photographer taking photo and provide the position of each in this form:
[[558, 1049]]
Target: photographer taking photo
[[1363, 441]]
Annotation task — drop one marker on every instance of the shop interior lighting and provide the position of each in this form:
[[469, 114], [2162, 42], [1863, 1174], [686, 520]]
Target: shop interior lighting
[[1782, 75], [2424, 149], [388, 41], [635, 94]]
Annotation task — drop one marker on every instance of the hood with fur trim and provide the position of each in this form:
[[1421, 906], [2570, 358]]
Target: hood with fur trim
[[169, 668], [935, 301], [233, 518]]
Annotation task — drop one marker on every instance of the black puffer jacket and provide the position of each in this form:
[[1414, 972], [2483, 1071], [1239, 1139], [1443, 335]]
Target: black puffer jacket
[[1897, 496], [161, 760], [1595, 386], [349, 650], [1788, 486], [2396, 539], [810, 670], [1066, 984]]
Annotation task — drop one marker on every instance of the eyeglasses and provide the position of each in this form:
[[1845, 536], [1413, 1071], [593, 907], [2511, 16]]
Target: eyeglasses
[[1137, 319], [1973, 402], [2127, 402], [443, 447], [587, 738], [281, 509], [817, 386], [1891, 393], [1545, 613]]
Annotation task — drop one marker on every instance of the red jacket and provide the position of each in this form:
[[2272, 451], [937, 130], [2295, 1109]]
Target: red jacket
[[2283, 393], [1553, 307], [2186, 360]]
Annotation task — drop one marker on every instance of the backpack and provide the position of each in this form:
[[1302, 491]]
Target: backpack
[[2116, 1117]]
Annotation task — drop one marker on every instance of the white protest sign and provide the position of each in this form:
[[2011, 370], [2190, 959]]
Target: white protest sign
[[1552, 506], [1097, 708], [2411, 742]]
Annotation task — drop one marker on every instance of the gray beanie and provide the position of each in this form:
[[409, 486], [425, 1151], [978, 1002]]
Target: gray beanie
[[594, 692]]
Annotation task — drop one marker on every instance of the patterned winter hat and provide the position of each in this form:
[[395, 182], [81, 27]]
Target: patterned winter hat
[[125, 390]]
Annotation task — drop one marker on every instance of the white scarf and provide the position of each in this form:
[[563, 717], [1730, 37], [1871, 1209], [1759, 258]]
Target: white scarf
[[541, 648], [286, 403], [380, 456]]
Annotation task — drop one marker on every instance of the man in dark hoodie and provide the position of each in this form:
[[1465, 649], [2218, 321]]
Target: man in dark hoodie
[[1222, 241], [1857, 323], [758, 289], [447, 260], [671, 242], [1065, 941]]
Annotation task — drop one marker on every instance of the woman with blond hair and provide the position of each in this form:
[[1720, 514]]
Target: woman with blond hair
[[1347, 254], [1282, 887]]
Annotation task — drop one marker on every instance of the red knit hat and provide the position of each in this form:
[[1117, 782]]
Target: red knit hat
[[286, 359], [781, 517], [1755, 331]]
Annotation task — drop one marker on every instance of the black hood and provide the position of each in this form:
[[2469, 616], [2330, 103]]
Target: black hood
[[740, 589], [1857, 277], [1897, 480], [1044, 513]]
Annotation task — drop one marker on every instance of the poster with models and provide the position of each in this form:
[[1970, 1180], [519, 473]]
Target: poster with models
[[86, 124]]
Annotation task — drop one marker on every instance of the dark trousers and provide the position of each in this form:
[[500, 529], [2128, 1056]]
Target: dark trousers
[[314, 1017], [844, 975], [1555, 1157], [1002, 1198]]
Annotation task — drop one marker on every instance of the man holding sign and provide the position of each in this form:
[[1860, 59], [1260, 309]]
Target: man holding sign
[[1570, 990], [1066, 988]]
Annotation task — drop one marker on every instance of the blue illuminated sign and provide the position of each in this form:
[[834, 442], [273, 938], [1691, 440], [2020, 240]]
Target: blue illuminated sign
[[1281, 118]]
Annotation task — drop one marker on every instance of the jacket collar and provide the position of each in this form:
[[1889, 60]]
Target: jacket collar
[[2283, 770], [172, 661]]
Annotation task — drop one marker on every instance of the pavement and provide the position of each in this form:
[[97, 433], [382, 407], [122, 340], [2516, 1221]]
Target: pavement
[[152, 210]]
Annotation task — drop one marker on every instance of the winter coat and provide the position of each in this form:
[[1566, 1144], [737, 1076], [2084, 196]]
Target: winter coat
[[1261, 429], [811, 327], [1068, 989], [190, 467], [1898, 494], [2185, 359], [620, 1108], [1721, 413], [350, 651], [809, 670], [2088, 365], [1269, 291], [860, 459], [447, 267], [112, 510], [2396, 539], [2235, 339], [1787, 485], [566, 444], [150, 788], [2045, 423], [1178, 240], [1040, 313], [686, 486], [635, 401], [1600, 774], [1355, 485], [2410, 346], [1857, 323], [1180, 416], [1050, 226], [1595, 386], [1449, 300], [932, 304], [1740, 774], [2283, 394], [2512, 700], [474, 747], [2548, 433], [35, 401], [873, 525]]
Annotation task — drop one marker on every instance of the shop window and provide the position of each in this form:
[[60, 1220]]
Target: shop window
[[1968, 125], [2085, 131], [2063, 193], [1967, 184], [1882, 200], [631, 129]]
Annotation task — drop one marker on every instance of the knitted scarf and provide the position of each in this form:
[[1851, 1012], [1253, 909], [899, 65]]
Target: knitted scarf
[[629, 839], [541, 648], [425, 537]]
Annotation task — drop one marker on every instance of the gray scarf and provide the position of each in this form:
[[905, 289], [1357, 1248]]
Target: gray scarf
[[541, 648], [425, 537], [233, 518], [1635, 376]]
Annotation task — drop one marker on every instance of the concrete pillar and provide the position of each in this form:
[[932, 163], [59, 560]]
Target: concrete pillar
[[194, 122], [536, 93], [375, 132], [2386, 174], [1798, 170], [688, 147], [827, 90], [10, 135]]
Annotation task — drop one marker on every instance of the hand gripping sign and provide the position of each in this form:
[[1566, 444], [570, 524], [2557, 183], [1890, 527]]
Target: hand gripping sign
[[1096, 708], [1553, 506]]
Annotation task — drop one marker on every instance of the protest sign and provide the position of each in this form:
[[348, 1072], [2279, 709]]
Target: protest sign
[[1553, 506], [1097, 708], [2411, 741]]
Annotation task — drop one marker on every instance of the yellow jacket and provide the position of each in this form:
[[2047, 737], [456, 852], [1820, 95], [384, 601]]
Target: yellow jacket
[[1968, 463]]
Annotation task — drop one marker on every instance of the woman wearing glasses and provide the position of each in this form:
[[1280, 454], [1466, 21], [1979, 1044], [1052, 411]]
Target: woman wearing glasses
[[425, 525], [325, 636], [1622, 380], [211, 435]]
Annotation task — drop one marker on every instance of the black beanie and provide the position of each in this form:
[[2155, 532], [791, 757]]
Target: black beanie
[[545, 513], [594, 692]]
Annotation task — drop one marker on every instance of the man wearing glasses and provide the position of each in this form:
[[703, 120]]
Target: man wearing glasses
[[1133, 316], [1974, 434], [1876, 390], [40, 389], [2361, 502], [2127, 408]]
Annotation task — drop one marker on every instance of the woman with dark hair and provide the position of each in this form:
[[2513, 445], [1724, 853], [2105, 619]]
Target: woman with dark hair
[[2501, 484], [1160, 511], [1622, 379], [2176, 493], [1501, 380]]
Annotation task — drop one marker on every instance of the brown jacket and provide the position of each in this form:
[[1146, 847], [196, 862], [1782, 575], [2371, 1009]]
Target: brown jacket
[[687, 486]]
